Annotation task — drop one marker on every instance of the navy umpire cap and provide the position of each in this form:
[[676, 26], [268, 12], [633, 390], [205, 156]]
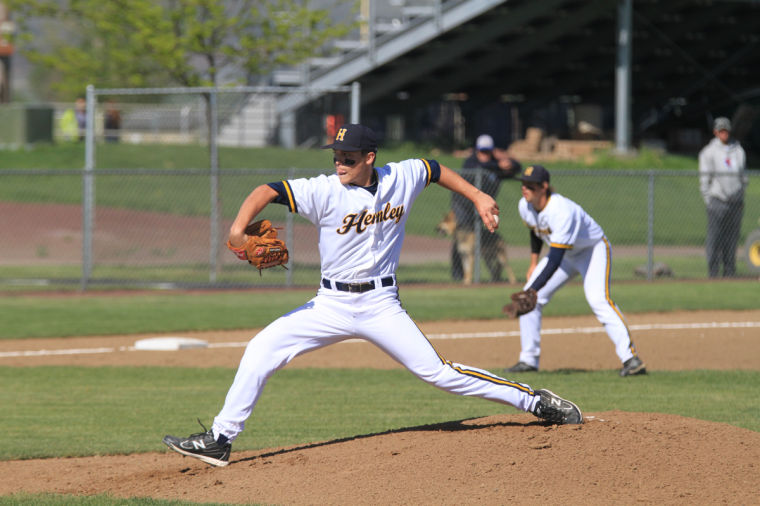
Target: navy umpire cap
[[534, 174], [354, 137]]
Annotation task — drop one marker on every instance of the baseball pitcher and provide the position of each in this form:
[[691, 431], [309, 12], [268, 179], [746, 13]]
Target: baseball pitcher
[[360, 212]]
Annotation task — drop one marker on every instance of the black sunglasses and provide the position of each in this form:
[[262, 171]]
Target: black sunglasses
[[531, 186], [346, 161]]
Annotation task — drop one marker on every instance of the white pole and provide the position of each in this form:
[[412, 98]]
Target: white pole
[[355, 102], [215, 226], [623, 78], [88, 188]]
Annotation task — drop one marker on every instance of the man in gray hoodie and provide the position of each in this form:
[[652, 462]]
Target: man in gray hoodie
[[722, 181]]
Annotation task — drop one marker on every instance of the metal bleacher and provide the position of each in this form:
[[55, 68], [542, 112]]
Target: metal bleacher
[[388, 29]]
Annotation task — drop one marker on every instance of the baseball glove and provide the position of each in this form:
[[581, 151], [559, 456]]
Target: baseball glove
[[262, 249], [522, 302]]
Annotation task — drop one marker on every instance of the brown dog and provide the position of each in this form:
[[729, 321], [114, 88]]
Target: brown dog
[[493, 249]]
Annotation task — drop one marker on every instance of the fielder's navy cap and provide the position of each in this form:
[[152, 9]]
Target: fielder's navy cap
[[534, 174], [354, 137]]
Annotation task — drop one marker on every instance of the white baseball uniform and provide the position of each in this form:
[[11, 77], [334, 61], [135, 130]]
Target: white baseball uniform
[[564, 224], [360, 239]]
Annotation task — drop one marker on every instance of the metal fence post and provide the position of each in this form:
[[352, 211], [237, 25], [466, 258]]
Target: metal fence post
[[478, 229], [623, 77], [355, 102], [290, 236], [371, 31], [650, 227], [215, 200], [88, 189]]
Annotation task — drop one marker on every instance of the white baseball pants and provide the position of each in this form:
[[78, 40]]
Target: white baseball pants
[[376, 316]]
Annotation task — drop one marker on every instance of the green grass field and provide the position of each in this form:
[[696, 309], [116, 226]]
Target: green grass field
[[167, 156], [78, 411], [131, 394], [26, 316]]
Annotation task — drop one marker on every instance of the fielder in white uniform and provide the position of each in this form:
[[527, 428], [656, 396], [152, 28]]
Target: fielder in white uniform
[[577, 245], [360, 212]]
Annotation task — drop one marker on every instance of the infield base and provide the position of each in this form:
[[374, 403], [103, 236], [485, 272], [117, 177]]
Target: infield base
[[169, 343]]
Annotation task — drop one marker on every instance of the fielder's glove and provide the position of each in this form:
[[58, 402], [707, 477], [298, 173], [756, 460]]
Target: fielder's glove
[[262, 249], [522, 302]]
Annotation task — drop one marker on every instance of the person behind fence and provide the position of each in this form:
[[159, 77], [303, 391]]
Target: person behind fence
[[111, 122], [360, 212], [67, 126], [80, 111], [493, 247], [577, 245], [722, 180]]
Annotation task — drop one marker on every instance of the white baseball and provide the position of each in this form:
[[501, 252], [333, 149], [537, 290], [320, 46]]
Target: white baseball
[[496, 218]]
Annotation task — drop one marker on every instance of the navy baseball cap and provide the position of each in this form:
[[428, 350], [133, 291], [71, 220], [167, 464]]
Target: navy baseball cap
[[534, 174], [354, 137]]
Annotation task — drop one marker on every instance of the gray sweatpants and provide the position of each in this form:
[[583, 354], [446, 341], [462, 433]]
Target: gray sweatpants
[[724, 221]]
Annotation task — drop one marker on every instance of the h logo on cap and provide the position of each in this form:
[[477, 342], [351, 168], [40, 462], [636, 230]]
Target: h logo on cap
[[340, 134]]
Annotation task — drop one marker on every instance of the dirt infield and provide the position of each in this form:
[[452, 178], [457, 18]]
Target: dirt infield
[[615, 457]]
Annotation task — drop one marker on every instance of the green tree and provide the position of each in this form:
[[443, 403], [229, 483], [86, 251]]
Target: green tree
[[138, 43]]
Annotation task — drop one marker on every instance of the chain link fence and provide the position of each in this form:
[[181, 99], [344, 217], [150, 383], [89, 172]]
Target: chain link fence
[[240, 116], [155, 228]]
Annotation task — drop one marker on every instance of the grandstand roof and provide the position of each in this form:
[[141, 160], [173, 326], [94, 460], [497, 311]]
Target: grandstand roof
[[692, 60]]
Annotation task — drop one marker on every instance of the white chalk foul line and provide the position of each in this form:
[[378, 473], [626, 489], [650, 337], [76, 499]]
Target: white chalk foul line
[[460, 335], [73, 351], [596, 330]]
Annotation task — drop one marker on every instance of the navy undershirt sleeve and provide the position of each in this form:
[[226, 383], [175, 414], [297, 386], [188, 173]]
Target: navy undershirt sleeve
[[435, 171], [535, 243], [282, 194], [552, 264]]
